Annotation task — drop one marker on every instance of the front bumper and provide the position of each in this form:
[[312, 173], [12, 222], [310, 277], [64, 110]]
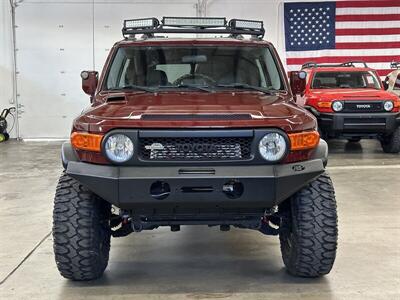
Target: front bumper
[[194, 189], [358, 123]]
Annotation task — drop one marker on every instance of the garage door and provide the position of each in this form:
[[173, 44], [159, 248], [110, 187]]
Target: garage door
[[55, 42]]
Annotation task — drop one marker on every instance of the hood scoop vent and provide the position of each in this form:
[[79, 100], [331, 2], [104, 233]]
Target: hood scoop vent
[[195, 117], [115, 98], [361, 96]]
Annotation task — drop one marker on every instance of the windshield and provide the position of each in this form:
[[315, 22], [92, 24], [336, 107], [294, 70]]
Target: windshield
[[194, 67], [349, 80]]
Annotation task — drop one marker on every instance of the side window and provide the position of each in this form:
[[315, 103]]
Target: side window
[[123, 78], [369, 80], [263, 82], [273, 72], [397, 83], [114, 75]]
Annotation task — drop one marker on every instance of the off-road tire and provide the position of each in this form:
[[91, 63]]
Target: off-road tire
[[308, 234], [391, 144], [81, 231]]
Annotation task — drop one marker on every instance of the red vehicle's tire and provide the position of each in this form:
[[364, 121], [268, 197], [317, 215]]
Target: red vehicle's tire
[[391, 144], [309, 233], [81, 231]]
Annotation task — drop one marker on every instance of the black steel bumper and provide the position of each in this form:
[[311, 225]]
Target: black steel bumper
[[192, 189], [358, 123]]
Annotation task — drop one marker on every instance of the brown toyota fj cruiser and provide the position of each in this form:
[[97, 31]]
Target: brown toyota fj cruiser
[[194, 131]]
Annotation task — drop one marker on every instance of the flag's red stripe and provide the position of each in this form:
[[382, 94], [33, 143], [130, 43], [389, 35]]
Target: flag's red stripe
[[341, 59], [367, 31], [387, 3], [375, 45], [366, 18], [385, 72]]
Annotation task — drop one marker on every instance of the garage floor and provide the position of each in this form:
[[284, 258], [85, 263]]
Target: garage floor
[[198, 262]]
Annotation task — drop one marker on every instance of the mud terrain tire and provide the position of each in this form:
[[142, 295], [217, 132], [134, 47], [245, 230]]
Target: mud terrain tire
[[391, 144], [309, 233], [81, 231]]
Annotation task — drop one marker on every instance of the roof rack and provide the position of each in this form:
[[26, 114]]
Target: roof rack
[[395, 64], [345, 64], [194, 25]]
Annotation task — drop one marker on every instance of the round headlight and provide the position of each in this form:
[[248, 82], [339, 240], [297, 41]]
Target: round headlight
[[119, 148], [337, 105], [388, 105], [272, 146]]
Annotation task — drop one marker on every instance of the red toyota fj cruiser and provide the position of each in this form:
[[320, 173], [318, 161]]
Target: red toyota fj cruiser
[[350, 102], [194, 131]]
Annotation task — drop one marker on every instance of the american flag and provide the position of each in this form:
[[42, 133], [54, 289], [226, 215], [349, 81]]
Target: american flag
[[340, 31]]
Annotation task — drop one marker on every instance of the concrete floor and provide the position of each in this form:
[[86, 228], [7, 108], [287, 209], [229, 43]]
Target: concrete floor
[[198, 262]]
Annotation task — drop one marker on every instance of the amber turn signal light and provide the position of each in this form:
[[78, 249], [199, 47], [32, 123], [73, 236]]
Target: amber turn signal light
[[324, 104], [86, 141], [304, 140]]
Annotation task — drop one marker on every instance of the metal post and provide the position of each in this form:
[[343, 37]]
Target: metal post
[[14, 101]]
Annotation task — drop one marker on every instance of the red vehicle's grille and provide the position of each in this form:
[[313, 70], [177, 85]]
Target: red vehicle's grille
[[195, 148], [363, 106]]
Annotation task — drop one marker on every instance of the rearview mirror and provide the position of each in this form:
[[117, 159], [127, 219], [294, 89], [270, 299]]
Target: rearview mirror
[[297, 81], [89, 81]]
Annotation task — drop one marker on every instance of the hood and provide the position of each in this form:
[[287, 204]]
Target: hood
[[195, 109], [350, 94]]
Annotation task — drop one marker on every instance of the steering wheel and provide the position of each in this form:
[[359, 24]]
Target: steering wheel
[[203, 79]]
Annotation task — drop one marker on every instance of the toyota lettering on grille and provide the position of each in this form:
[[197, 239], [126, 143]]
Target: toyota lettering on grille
[[363, 106], [196, 147], [187, 147]]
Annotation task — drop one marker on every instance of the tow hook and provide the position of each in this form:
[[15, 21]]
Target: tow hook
[[125, 228], [266, 228], [265, 224]]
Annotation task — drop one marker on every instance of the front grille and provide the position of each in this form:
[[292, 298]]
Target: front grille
[[363, 106], [195, 148]]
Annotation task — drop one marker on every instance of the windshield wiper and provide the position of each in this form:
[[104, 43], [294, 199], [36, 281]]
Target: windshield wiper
[[134, 87], [247, 87], [191, 86]]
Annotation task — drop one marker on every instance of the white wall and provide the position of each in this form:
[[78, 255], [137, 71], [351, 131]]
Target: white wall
[[56, 39], [6, 60]]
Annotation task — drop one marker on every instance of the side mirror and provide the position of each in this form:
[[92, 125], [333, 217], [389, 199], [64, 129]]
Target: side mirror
[[385, 85], [89, 81], [297, 81]]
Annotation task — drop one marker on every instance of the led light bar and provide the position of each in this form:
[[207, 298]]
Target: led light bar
[[193, 22], [192, 25], [246, 24], [141, 23]]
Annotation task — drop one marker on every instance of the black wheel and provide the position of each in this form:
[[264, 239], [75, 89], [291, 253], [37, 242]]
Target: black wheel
[[308, 234], [354, 140], [81, 231], [391, 144]]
